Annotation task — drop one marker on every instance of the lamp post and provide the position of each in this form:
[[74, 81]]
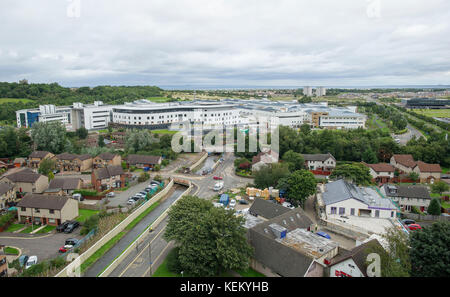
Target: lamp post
[[150, 252]]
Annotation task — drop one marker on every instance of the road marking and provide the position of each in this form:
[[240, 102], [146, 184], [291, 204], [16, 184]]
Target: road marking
[[128, 266], [27, 237], [145, 273]]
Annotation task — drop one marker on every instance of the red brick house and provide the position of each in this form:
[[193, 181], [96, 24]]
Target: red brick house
[[108, 177]]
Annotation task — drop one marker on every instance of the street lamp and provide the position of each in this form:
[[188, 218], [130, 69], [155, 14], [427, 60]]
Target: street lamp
[[150, 251]]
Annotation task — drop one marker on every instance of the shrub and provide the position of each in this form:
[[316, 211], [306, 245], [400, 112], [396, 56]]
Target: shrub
[[158, 178], [434, 208], [6, 218], [173, 263], [143, 177], [165, 162], [86, 192], [157, 167]]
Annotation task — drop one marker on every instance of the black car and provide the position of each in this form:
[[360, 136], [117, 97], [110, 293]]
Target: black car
[[71, 241], [408, 221], [72, 226], [242, 201], [62, 226]]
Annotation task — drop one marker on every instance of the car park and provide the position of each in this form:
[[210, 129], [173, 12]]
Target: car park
[[72, 226], [32, 260], [62, 226]]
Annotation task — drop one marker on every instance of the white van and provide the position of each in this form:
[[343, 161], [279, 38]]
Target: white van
[[218, 186]]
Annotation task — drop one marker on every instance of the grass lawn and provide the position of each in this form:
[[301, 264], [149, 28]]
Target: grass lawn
[[11, 251], [164, 131], [445, 204], [250, 273], [84, 214], [162, 271], [435, 195], [158, 99], [14, 100], [29, 229], [434, 113], [14, 227], [46, 229], [445, 170]]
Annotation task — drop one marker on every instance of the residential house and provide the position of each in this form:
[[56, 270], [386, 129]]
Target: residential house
[[19, 162], [142, 161], [263, 159], [267, 209], [381, 172], [283, 246], [108, 177], [26, 180], [7, 194], [72, 162], [342, 198], [404, 163], [3, 262], [353, 263], [428, 173], [46, 209], [320, 163], [36, 157], [64, 186], [106, 159], [408, 196]]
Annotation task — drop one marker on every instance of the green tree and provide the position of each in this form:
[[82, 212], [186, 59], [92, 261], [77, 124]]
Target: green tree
[[434, 208], [268, 176], [439, 187], [138, 140], [50, 176], [430, 255], [294, 160], [300, 185], [82, 133], [49, 136], [47, 166], [369, 156], [414, 176], [211, 240], [356, 172], [305, 129], [395, 259], [101, 141]]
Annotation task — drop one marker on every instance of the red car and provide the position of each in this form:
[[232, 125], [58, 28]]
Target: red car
[[217, 177], [65, 248], [414, 227]]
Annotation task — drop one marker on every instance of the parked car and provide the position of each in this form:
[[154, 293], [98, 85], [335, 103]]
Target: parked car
[[62, 226], [242, 201], [414, 227], [78, 197], [23, 260], [288, 205], [72, 226], [323, 234], [155, 182], [251, 198], [143, 193], [131, 202], [71, 241], [217, 177], [31, 261], [232, 203], [111, 194], [218, 186], [408, 221], [65, 248]]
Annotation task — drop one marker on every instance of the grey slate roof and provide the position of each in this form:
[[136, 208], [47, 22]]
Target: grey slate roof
[[106, 156], [292, 219], [64, 183], [317, 157], [267, 209], [43, 201], [108, 171], [408, 191], [25, 176], [143, 159]]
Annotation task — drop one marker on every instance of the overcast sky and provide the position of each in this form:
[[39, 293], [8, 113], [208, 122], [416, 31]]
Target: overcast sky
[[226, 43]]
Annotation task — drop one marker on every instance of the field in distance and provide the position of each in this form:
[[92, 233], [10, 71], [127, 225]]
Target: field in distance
[[434, 113]]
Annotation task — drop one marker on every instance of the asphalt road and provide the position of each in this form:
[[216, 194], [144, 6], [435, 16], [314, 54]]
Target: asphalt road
[[131, 235], [404, 138]]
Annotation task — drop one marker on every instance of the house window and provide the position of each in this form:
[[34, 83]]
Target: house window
[[23, 209], [37, 210], [341, 210], [333, 210], [352, 211], [377, 213], [52, 211]]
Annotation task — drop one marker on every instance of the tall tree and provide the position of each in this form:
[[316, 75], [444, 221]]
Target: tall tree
[[268, 176], [101, 141], [356, 172], [47, 166], [300, 185], [294, 160], [211, 240], [49, 136], [434, 208], [430, 256], [439, 187]]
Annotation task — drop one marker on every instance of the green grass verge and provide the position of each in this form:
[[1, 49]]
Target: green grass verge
[[163, 271], [29, 229], [445, 204], [14, 100], [46, 229], [141, 216], [14, 227], [84, 214], [163, 131], [11, 251], [434, 113]]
